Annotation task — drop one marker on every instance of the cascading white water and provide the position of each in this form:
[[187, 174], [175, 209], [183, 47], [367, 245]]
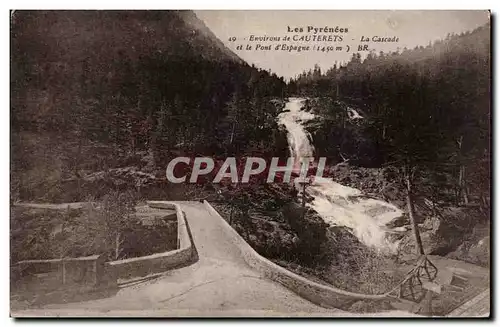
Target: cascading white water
[[299, 140], [335, 203]]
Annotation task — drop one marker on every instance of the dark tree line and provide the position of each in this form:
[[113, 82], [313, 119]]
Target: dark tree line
[[427, 113], [91, 89]]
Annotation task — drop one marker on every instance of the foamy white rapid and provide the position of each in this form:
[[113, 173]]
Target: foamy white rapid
[[335, 203]]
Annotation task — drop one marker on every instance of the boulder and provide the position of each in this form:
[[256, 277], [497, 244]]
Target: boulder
[[430, 242], [479, 252], [475, 248], [432, 223], [441, 234], [401, 221]]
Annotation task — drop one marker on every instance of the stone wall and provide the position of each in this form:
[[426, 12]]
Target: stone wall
[[84, 272], [158, 262], [93, 271], [323, 295]]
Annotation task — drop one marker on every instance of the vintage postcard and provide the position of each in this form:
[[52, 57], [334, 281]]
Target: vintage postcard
[[250, 163]]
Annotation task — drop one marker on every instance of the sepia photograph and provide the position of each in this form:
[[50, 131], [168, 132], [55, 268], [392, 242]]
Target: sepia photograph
[[250, 163]]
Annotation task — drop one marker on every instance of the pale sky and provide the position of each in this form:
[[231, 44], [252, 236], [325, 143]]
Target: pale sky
[[411, 27]]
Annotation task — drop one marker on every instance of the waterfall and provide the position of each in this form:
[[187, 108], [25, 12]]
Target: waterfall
[[337, 204], [299, 140]]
